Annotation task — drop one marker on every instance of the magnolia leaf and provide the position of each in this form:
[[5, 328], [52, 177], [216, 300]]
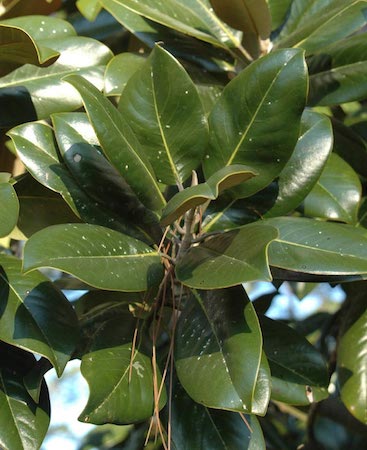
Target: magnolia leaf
[[321, 24], [247, 124], [16, 8], [23, 422], [120, 383], [228, 259], [101, 257], [194, 17], [299, 372], [320, 248], [218, 349], [196, 427], [44, 85], [9, 208], [35, 314], [197, 195], [162, 105], [278, 11], [337, 193], [245, 15], [337, 72], [119, 70], [351, 356], [120, 145], [89, 8]]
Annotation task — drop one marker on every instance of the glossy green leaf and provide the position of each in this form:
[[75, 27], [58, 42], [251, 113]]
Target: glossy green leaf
[[313, 25], [40, 207], [278, 11], [218, 349], [351, 356], [182, 45], [304, 167], [245, 15], [16, 8], [340, 75], [196, 427], [117, 394], [228, 259], [315, 247], [35, 315], [96, 255], [89, 8], [23, 422], [34, 379], [194, 196], [35, 145], [18, 48], [48, 92], [299, 372], [119, 70], [9, 208], [119, 144], [97, 177], [193, 17], [162, 106], [247, 122], [337, 193]]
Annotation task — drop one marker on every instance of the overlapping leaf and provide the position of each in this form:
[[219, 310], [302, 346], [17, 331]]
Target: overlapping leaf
[[196, 427], [16, 8], [196, 195], [247, 122], [278, 11], [313, 25], [337, 193], [320, 248], [9, 208], [193, 17], [163, 107], [96, 255], [338, 72], [35, 315], [352, 356], [218, 350], [299, 372], [119, 144], [120, 377], [228, 259], [44, 85], [119, 70], [89, 8], [23, 422]]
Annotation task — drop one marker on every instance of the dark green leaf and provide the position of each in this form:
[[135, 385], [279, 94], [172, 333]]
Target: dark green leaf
[[194, 196], [337, 193], [196, 427], [194, 17], [23, 422], [218, 350], [304, 166], [162, 105], [120, 144], [35, 315], [40, 207], [89, 8], [315, 247], [351, 356], [247, 122], [299, 372], [49, 93], [119, 70], [97, 177], [314, 25], [278, 11], [121, 384], [9, 208], [25, 7], [228, 259], [96, 255], [340, 72]]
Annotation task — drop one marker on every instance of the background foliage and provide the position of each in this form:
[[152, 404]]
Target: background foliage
[[158, 155]]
